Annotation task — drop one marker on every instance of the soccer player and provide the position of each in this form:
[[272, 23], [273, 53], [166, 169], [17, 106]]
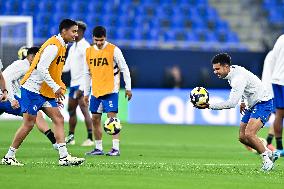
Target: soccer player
[[13, 74], [74, 64], [266, 79], [41, 87], [277, 80], [3, 96], [104, 64], [248, 86]]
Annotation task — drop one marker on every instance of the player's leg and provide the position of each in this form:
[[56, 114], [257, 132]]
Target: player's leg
[[270, 137], [242, 137], [254, 125], [115, 151], [29, 106], [278, 91], [72, 106], [64, 158], [278, 129], [88, 122], [96, 109], [243, 125], [42, 125], [21, 134], [110, 104]]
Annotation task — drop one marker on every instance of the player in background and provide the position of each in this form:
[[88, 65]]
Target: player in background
[[104, 64], [13, 75], [248, 86], [4, 91], [277, 80], [266, 79], [75, 63], [41, 87]]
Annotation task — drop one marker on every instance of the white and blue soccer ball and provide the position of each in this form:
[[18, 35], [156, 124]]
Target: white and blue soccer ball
[[199, 96], [112, 125]]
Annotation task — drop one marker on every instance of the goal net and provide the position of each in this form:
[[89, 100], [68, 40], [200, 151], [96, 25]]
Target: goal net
[[15, 31]]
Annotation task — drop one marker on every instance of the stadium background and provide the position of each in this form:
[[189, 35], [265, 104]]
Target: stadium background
[[155, 36]]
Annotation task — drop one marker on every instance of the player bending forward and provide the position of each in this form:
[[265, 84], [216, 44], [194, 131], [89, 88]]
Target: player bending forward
[[245, 85]]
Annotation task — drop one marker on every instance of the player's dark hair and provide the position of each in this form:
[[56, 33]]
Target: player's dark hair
[[222, 58], [82, 25], [99, 31], [33, 50], [66, 24]]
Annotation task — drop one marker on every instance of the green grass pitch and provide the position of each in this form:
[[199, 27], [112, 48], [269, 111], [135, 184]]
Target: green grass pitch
[[152, 156]]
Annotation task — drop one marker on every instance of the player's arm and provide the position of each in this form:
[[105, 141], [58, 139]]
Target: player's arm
[[12, 75], [119, 59], [67, 65], [3, 88], [85, 82], [238, 87], [3, 97], [47, 56]]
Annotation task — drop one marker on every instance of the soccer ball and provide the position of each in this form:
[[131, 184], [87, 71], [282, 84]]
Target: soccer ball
[[199, 96], [23, 52], [264, 142], [112, 126]]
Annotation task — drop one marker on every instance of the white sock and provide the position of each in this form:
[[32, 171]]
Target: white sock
[[115, 144], [62, 150], [11, 152], [99, 144], [265, 155]]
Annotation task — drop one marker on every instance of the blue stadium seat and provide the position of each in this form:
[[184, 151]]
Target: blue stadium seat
[[43, 19], [62, 7], [93, 19], [126, 21], [125, 34], [79, 7], [56, 18], [12, 7], [78, 16], [47, 6], [42, 31], [110, 20], [148, 10], [29, 7]]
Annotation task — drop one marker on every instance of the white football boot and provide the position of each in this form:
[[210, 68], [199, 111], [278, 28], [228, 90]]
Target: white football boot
[[10, 161], [69, 161]]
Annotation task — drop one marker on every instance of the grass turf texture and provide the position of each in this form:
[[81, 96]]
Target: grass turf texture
[[152, 156]]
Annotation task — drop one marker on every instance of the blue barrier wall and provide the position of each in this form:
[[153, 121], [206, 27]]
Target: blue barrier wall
[[172, 106], [148, 66]]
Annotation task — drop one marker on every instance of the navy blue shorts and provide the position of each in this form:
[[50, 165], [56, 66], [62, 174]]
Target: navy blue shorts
[[5, 107], [32, 102], [72, 91], [260, 110], [104, 104], [278, 91]]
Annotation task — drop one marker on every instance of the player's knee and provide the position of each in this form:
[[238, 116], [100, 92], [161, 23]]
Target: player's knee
[[71, 112], [59, 120], [249, 134]]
